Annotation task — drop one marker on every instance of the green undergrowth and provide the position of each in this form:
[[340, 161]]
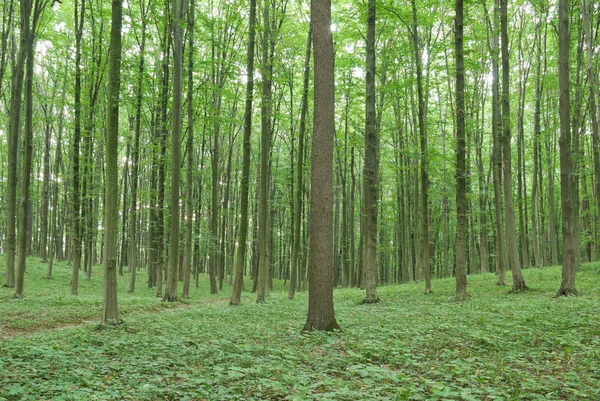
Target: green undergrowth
[[409, 346]]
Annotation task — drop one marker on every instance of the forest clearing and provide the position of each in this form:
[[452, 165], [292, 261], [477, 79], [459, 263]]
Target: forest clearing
[[409, 346]]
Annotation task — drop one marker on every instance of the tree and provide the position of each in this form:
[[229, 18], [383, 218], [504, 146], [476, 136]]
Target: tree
[[265, 144], [570, 242], [300, 171], [29, 31], [371, 166], [240, 259], [76, 198], [189, 212], [133, 252], [321, 314], [424, 212], [179, 11], [511, 235], [111, 310], [14, 122], [461, 181]]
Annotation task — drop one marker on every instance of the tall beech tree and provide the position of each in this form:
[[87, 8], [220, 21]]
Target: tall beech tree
[[321, 314], [14, 122], [371, 166], [29, 30], [461, 184], [111, 310], [570, 241], [179, 12], [300, 171], [509, 207], [135, 153], [240, 259]]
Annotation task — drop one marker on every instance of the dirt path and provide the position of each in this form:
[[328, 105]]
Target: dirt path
[[8, 332]]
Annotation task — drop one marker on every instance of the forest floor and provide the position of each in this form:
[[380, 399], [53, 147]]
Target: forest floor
[[409, 346]]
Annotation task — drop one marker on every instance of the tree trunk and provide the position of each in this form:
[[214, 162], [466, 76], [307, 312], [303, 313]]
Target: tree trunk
[[424, 203], [570, 243], [28, 31], [300, 170], [133, 249], [320, 296], [189, 207], [461, 182], [371, 166], [511, 235], [263, 208], [179, 11], [111, 310], [14, 123]]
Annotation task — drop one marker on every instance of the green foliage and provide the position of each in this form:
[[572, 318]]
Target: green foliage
[[493, 346]]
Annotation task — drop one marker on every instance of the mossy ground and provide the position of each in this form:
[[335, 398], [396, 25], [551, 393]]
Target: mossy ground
[[409, 346]]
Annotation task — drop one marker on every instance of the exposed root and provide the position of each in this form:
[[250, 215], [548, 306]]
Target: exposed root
[[370, 301], [566, 292]]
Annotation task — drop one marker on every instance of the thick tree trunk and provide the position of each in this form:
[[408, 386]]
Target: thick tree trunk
[[320, 297]]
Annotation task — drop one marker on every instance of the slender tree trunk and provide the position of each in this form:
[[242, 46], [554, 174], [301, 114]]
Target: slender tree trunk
[[424, 202], [263, 209], [179, 12], [535, 237], [189, 207], [45, 188], [111, 310], [14, 123], [238, 283], [29, 32], [461, 183], [300, 170], [570, 243], [371, 166], [133, 249], [511, 235]]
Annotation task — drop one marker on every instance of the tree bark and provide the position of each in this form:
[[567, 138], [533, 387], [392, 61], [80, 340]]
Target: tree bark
[[570, 259], [179, 11], [371, 166], [133, 249], [461, 183], [321, 314], [14, 122], [511, 235], [189, 207], [111, 309]]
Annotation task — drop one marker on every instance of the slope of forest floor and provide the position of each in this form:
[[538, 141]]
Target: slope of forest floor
[[409, 346]]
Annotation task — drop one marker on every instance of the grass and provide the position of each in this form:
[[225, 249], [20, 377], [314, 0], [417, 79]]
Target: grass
[[410, 346]]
